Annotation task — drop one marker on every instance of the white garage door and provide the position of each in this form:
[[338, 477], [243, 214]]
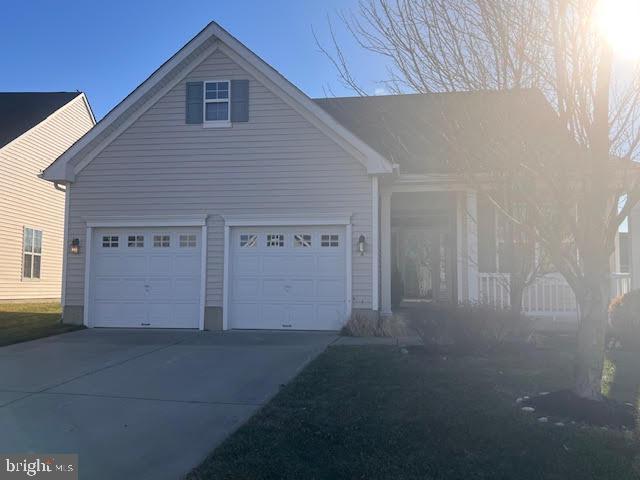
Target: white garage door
[[288, 278], [145, 278]]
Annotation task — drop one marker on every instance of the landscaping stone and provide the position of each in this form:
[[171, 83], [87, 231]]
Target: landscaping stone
[[543, 419], [528, 409]]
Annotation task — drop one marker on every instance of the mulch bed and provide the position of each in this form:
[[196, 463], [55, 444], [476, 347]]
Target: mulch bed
[[565, 404]]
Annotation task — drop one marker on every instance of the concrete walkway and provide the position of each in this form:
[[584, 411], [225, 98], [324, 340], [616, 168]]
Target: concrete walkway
[[141, 404]]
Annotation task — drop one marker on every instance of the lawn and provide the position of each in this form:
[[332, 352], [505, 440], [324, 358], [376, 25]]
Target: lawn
[[376, 413], [20, 322]]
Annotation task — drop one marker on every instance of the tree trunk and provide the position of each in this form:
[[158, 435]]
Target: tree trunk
[[516, 292], [593, 302]]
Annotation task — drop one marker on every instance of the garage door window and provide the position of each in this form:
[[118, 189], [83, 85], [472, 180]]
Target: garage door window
[[110, 241], [275, 240], [302, 240], [248, 240], [161, 241], [329, 241], [135, 241], [187, 241]]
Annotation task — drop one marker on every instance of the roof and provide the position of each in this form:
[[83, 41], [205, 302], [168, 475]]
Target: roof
[[212, 37], [21, 111], [423, 133]]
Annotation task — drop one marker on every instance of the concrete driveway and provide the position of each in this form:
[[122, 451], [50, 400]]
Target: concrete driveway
[[141, 403]]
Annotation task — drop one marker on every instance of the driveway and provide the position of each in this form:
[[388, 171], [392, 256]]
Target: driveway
[[142, 403]]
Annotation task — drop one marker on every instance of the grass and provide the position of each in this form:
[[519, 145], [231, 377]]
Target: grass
[[374, 413], [20, 322]]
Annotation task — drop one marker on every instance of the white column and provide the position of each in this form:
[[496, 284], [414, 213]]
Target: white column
[[472, 245], [461, 244], [375, 244], [634, 232], [385, 251]]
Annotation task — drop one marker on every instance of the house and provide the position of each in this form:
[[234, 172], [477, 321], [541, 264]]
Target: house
[[217, 195], [35, 129]]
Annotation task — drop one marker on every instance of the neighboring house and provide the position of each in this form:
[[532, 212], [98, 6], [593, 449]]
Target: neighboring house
[[35, 129], [217, 195]]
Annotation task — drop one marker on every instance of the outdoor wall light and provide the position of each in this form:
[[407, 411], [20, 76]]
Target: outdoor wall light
[[75, 246], [361, 242]]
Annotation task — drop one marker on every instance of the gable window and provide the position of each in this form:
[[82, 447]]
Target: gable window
[[161, 241], [32, 253], [216, 102], [110, 241]]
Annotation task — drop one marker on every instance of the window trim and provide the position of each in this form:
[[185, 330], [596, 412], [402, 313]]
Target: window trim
[[33, 254], [215, 123]]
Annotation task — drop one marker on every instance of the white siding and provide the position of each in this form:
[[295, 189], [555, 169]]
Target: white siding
[[26, 200], [275, 163]]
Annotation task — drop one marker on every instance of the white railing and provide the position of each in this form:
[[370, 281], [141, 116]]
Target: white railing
[[549, 296], [620, 284]]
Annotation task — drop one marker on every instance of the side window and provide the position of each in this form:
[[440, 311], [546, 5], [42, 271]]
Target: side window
[[188, 240], [32, 253], [329, 240], [248, 240], [135, 241], [110, 241], [161, 241], [275, 240], [302, 240]]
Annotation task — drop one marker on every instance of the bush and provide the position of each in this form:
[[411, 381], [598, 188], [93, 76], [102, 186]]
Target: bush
[[624, 320], [470, 328], [361, 325]]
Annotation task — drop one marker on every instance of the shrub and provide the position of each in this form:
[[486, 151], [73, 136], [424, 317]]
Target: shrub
[[624, 320], [361, 325], [470, 328]]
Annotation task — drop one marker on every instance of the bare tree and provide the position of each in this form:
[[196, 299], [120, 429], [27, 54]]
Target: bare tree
[[576, 178]]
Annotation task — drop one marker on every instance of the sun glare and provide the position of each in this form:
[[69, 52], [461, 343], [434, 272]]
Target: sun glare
[[619, 21]]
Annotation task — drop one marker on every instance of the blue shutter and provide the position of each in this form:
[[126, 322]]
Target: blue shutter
[[239, 100], [195, 96]]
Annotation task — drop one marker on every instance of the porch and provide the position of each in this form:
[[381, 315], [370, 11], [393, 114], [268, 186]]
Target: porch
[[431, 251]]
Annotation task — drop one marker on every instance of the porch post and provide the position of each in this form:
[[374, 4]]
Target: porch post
[[634, 232], [385, 251], [472, 245]]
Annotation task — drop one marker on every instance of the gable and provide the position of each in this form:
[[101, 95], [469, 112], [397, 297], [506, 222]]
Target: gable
[[275, 133], [170, 74]]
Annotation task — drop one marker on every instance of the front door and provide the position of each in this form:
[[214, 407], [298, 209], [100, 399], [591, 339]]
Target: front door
[[424, 258]]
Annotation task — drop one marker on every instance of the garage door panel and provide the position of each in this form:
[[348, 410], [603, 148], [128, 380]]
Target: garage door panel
[[159, 288], [246, 315], [330, 264], [137, 281], [160, 264], [276, 264], [300, 289], [274, 315], [302, 265], [247, 264], [186, 264], [300, 285], [333, 313], [333, 288], [246, 288], [186, 289], [274, 288]]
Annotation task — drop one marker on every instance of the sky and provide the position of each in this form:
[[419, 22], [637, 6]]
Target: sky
[[108, 48]]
